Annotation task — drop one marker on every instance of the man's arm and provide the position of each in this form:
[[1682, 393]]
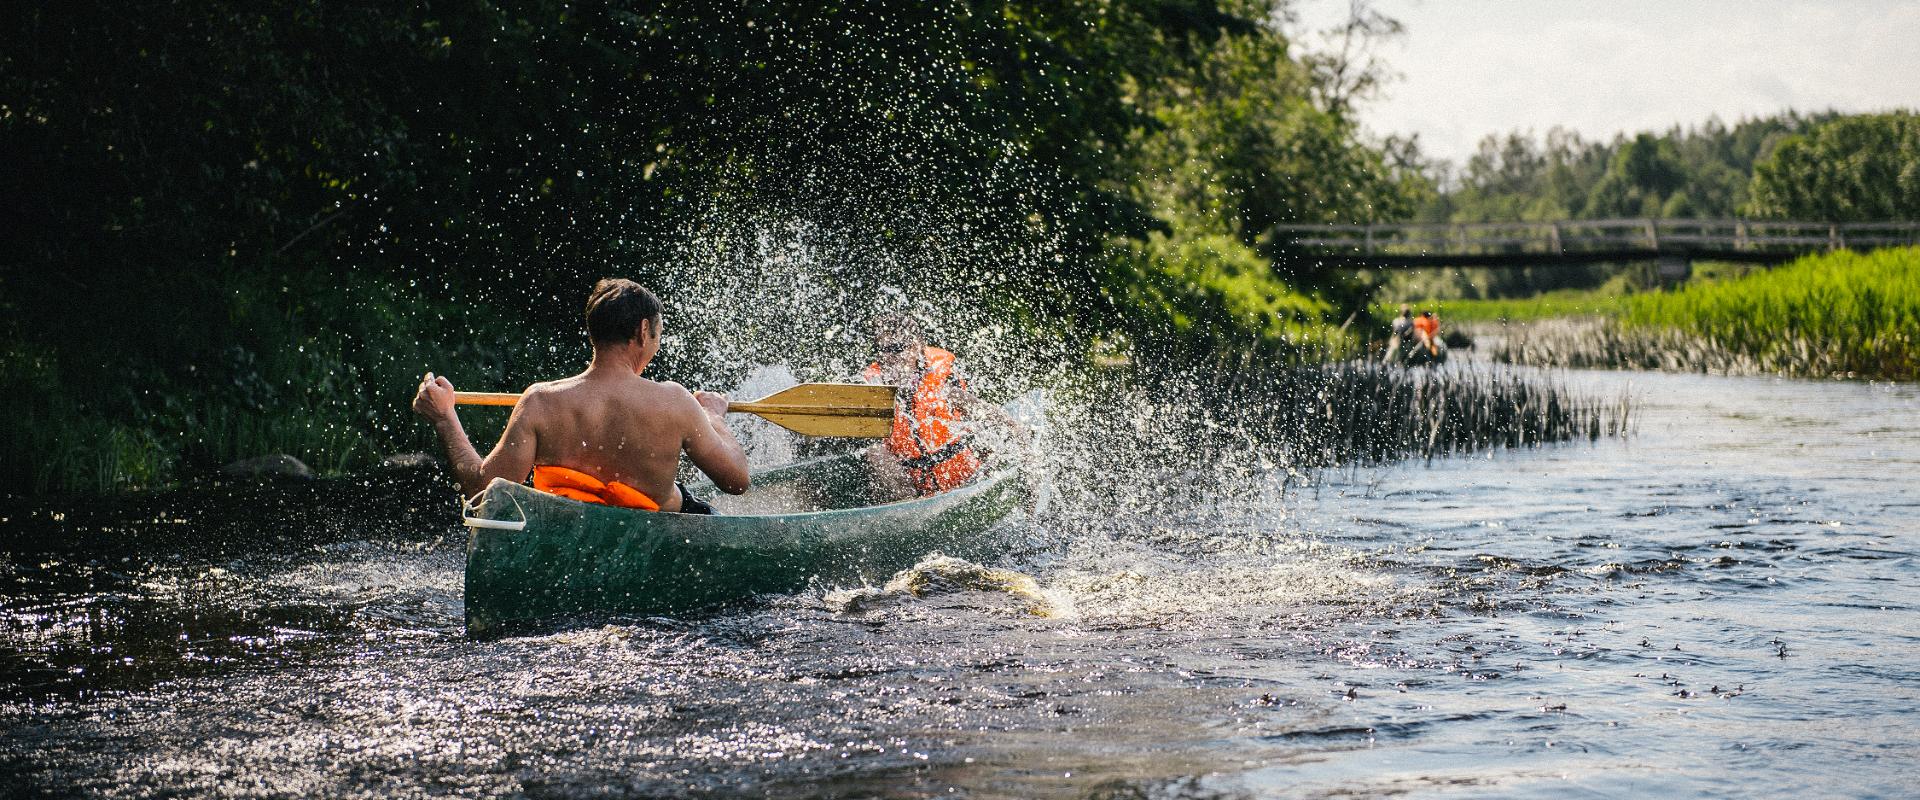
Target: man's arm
[[712, 446], [512, 458]]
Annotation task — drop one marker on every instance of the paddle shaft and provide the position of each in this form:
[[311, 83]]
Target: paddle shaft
[[733, 406]]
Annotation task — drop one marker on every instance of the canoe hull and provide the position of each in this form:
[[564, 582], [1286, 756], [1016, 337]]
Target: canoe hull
[[576, 558]]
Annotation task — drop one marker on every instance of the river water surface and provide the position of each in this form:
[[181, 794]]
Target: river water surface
[[1723, 604]]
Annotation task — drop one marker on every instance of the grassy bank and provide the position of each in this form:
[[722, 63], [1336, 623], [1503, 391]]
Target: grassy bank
[[1842, 313], [1563, 303]]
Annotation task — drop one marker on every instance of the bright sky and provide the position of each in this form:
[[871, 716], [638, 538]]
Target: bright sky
[[1473, 67]]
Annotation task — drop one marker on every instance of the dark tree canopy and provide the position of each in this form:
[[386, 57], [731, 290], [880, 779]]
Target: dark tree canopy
[[217, 205]]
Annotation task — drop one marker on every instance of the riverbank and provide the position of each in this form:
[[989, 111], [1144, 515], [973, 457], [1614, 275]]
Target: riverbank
[[309, 364], [1841, 314]]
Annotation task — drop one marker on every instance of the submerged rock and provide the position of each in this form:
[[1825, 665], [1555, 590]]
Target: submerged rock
[[278, 465]]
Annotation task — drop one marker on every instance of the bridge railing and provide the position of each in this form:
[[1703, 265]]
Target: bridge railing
[[1640, 236]]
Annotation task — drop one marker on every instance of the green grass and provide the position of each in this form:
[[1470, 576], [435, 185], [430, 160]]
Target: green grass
[[1838, 313], [1562, 303], [1842, 313], [1606, 299]]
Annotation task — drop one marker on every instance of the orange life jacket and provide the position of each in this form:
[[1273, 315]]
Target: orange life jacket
[[577, 485], [1427, 325], [926, 434]]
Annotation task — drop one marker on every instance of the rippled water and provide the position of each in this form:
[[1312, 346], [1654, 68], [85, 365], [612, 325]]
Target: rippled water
[[1721, 605]]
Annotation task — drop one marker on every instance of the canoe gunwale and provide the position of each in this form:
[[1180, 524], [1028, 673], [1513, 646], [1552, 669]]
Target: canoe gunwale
[[980, 484]]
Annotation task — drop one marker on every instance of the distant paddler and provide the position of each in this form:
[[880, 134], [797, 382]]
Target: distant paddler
[[606, 435], [1402, 331], [1427, 328], [935, 443]]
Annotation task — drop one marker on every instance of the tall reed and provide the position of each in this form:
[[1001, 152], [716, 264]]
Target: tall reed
[[1841, 313]]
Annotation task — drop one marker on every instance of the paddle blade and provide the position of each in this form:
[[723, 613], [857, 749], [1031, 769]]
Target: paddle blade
[[838, 399], [845, 427], [856, 410]]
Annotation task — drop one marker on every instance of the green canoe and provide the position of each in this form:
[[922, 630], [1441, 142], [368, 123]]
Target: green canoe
[[817, 519]]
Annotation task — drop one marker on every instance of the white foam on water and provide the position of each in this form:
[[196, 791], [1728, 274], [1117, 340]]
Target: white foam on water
[[1116, 584], [407, 583]]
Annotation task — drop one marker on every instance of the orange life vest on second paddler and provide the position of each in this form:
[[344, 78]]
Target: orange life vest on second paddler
[[927, 437]]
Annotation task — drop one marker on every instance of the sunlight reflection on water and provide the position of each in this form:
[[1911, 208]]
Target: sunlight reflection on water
[[1711, 607]]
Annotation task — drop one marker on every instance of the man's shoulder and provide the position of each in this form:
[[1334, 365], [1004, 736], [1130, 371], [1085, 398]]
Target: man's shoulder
[[662, 391], [548, 392], [665, 396]]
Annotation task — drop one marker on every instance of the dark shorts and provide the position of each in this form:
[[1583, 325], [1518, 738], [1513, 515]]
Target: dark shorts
[[692, 505]]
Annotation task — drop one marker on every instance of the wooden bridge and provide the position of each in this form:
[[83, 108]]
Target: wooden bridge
[[1673, 242]]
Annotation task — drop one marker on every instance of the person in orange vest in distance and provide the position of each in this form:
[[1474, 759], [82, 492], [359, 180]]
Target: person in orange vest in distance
[[1427, 327], [933, 445]]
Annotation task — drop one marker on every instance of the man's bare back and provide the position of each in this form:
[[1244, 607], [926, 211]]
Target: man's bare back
[[607, 422], [627, 429]]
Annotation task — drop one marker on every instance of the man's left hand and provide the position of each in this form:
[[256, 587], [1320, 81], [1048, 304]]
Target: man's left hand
[[434, 400]]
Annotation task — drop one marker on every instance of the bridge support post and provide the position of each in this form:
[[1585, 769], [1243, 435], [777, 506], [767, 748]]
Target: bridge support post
[[1674, 269]]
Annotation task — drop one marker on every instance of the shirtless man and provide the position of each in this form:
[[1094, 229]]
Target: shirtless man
[[607, 422]]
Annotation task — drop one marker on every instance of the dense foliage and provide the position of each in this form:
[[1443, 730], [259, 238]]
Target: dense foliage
[[1701, 172], [239, 227], [1853, 169]]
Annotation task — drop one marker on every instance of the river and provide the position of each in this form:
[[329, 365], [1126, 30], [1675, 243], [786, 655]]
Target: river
[[1722, 604]]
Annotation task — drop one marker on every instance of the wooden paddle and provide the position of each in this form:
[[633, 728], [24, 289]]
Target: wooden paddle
[[859, 410]]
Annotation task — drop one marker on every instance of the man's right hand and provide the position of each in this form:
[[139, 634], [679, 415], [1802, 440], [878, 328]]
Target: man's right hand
[[434, 400], [715, 451], [715, 404]]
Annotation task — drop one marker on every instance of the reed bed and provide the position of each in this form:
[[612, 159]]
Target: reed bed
[[1598, 343], [1842, 313], [1361, 412], [1349, 412], [1144, 440]]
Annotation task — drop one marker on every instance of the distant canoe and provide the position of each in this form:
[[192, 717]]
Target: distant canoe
[[572, 558], [1412, 353]]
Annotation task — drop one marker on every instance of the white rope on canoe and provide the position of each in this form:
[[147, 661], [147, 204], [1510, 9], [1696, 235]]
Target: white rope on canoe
[[471, 505]]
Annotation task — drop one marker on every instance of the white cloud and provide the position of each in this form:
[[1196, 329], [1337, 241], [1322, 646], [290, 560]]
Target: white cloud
[[1475, 67]]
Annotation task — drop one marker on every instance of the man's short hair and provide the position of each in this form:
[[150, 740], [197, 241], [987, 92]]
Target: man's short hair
[[616, 308]]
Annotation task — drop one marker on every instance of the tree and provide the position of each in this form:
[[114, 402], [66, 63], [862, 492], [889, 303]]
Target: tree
[[1852, 169], [1644, 172]]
